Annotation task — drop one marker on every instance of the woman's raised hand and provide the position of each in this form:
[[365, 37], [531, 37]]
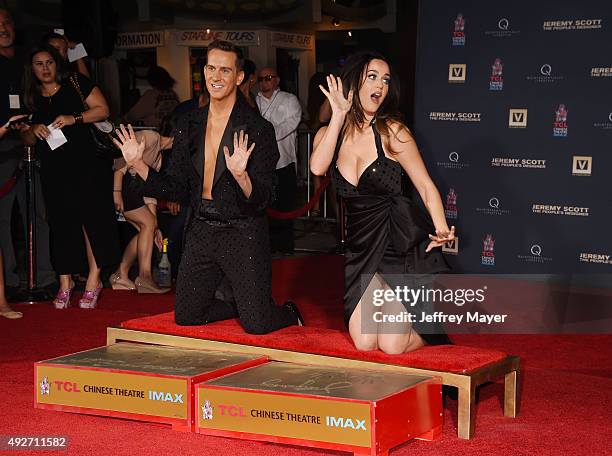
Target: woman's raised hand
[[339, 103], [130, 147]]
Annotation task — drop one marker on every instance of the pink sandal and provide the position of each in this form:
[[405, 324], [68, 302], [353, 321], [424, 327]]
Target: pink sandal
[[62, 299], [90, 298]]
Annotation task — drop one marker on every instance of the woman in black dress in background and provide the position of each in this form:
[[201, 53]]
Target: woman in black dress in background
[[369, 149], [77, 183]]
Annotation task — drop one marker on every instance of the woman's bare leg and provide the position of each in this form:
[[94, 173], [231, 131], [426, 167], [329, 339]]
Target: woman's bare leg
[[392, 338], [147, 224], [93, 278], [66, 282], [129, 256], [396, 337], [362, 328], [4, 306]]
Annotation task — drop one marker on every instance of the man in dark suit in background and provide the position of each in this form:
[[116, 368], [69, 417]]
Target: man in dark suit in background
[[223, 158], [11, 154]]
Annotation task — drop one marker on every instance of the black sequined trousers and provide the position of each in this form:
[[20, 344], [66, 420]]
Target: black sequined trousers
[[240, 251]]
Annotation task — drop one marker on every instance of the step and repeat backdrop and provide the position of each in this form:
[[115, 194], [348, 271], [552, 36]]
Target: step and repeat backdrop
[[514, 120]]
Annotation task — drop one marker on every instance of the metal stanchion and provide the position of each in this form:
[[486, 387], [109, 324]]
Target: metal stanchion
[[31, 294]]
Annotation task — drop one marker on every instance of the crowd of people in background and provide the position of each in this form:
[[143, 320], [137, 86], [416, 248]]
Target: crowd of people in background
[[82, 192]]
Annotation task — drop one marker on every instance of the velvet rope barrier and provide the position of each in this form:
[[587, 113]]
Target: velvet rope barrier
[[10, 183], [304, 209]]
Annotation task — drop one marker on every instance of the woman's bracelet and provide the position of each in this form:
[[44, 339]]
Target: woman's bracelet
[[78, 118], [118, 191]]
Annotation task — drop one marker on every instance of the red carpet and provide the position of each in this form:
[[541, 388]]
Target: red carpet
[[566, 403]]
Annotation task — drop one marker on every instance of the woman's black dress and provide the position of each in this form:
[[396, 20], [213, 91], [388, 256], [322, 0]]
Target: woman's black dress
[[386, 233], [77, 186]]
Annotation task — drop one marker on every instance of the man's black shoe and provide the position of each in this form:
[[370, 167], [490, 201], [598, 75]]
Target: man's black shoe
[[294, 308]]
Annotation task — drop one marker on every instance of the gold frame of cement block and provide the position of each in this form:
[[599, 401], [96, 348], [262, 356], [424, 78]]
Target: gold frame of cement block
[[466, 383]]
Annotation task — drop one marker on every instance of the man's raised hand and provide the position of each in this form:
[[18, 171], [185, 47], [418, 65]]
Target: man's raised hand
[[237, 162]]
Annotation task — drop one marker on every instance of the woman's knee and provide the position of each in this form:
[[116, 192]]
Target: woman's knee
[[365, 342], [396, 344], [147, 225]]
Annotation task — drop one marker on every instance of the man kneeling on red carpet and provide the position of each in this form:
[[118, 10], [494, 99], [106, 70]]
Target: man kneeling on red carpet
[[224, 156]]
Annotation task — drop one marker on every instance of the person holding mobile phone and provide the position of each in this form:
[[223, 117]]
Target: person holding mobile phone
[[11, 155], [14, 123], [5, 309]]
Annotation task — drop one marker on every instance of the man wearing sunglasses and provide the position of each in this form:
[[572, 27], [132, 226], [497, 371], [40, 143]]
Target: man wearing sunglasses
[[283, 110]]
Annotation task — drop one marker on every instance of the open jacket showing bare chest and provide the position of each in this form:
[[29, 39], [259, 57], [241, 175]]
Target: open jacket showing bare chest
[[183, 175]]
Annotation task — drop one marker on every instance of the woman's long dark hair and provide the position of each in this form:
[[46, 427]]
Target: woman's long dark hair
[[353, 76], [168, 125], [31, 85], [160, 79]]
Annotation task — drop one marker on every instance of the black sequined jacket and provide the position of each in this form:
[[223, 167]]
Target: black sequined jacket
[[183, 175]]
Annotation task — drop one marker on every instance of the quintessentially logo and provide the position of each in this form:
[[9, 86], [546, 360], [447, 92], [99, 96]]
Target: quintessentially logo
[[459, 31], [572, 24], [451, 204], [496, 81], [545, 75], [455, 116], [560, 124], [601, 72], [454, 162], [45, 388], [207, 410], [557, 209], [457, 72], [505, 162], [596, 258], [582, 165], [606, 124], [487, 257], [451, 247], [493, 209], [535, 255], [345, 423], [517, 118], [166, 397], [503, 29]]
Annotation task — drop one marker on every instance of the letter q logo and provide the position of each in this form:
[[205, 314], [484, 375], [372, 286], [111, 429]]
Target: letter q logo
[[546, 69], [503, 24], [454, 157], [494, 203], [536, 250]]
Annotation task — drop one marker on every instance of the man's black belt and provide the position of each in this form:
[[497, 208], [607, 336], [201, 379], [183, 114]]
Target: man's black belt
[[207, 212]]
